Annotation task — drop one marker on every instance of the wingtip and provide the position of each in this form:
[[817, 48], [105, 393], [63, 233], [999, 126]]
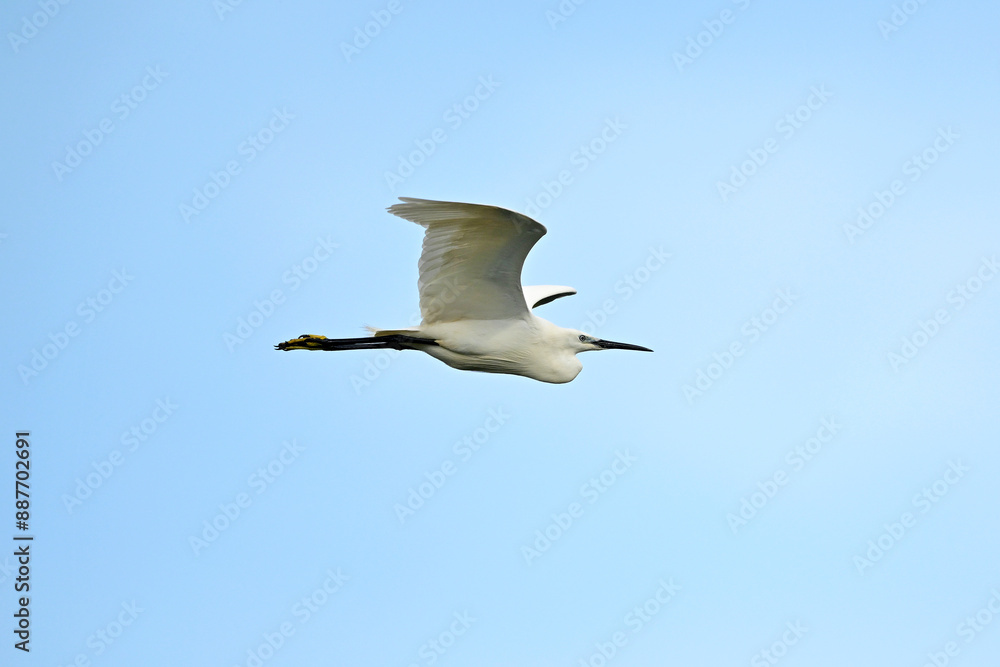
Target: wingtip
[[398, 208]]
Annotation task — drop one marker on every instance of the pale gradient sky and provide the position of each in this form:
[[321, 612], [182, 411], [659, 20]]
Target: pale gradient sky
[[188, 185]]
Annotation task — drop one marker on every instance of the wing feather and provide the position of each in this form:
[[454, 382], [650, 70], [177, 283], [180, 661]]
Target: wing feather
[[539, 295], [470, 266]]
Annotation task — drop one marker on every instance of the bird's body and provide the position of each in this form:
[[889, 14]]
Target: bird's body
[[476, 316], [529, 347]]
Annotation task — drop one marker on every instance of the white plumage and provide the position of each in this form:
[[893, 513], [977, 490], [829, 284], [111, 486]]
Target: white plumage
[[475, 313]]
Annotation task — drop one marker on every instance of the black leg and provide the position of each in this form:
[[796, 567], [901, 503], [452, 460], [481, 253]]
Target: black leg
[[395, 342]]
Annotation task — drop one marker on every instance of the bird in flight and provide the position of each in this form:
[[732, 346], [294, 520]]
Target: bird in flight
[[476, 316]]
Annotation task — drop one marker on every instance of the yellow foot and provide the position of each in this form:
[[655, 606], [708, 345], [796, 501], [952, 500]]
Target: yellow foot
[[303, 342]]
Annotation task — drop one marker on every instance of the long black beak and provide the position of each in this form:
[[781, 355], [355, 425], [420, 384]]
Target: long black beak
[[611, 345]]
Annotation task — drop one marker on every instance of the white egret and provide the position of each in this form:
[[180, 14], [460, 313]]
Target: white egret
[[475, 314]]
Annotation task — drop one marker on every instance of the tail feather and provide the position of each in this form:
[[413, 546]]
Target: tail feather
[[378, 333]]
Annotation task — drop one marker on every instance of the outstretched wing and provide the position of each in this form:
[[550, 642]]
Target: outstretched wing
[[539, 295], [470, 267]]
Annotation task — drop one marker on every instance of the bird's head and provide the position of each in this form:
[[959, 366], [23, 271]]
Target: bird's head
[[581, 342]]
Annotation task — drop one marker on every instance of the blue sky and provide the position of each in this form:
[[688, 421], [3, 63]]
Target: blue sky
[[792, 204]]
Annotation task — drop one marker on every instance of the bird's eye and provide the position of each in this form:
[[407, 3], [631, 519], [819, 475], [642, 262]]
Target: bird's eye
[[583, 339]]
